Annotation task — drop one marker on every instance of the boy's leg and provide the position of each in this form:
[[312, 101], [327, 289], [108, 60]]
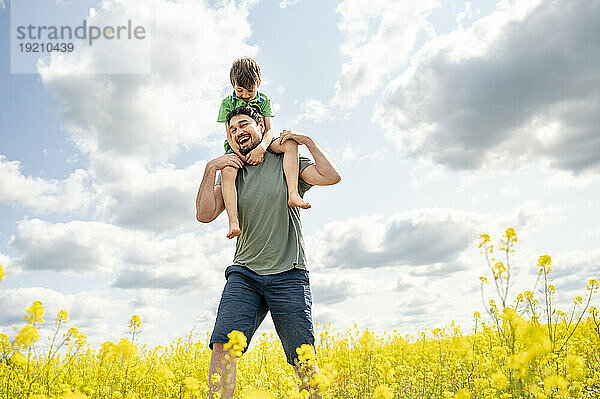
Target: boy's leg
[[228, 175], [291, 171]]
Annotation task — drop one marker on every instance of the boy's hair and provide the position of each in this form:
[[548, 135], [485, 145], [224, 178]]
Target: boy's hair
[[245, 72], [251, 110]]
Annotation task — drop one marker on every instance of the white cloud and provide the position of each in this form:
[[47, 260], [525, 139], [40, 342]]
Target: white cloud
[[158, 199], [567, 181], [151, 116], [417, 238], [68, 195], [314, 111], [91, 312], [97, 314], [516, 87], [74, 246], [573, 269], [330, 288], [378, 38], [7, 264], [424, 242], [288, 3], [180, 264], [349, 154]]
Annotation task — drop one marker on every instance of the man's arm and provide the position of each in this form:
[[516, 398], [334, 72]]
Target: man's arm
[[209, 201], [323, 172]]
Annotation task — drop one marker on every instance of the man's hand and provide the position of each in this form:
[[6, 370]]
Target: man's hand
[[256, 156], [223, 161], [298, 137]]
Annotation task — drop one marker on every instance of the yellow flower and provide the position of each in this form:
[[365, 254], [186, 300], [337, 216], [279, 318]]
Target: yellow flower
[[35, 311], [511, 235], [294, 394], [367, 340], [72, 395], [126, 349], [135, 323], [106, 349], [462, 394], [319, 381], [544, 263], [17, 358], [62, 317], [2, 274], [484, 238], [191, 384], [483, 279], [237, 343], [556, 381], [26, 337], [81, 340], [383, 392], [215, 378], [164, 373], [257, 394], [4, 343], [499, 379], [499, 268], [306, 353]]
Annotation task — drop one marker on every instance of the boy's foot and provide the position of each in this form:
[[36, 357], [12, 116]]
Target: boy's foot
[[296, 200], [234, 230]]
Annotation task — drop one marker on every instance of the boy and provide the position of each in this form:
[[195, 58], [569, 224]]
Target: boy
[[245, 79]]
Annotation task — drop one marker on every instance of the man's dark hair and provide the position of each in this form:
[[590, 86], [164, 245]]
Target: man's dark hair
[[251, 110], [245, 72]]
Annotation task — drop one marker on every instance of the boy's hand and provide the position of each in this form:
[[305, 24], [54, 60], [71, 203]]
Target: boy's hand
[[298, 137], [256, 156]]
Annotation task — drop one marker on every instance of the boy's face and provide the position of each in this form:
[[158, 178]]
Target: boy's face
[[244, 134], [244, 93]]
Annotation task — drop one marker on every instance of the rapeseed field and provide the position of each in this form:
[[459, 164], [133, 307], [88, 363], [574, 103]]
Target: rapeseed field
[[523, 347]]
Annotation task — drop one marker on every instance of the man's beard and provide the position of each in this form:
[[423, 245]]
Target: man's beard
[[246, 150]]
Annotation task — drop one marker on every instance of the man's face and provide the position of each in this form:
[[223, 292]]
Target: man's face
[[244, 134]]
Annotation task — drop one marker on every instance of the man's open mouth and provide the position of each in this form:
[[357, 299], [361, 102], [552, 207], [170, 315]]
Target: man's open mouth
[[244, 139]]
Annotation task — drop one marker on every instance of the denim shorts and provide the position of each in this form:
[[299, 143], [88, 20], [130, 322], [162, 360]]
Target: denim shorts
[[248, 296]]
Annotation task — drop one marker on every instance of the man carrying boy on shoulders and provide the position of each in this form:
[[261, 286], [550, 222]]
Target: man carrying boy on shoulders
[[269, 266]]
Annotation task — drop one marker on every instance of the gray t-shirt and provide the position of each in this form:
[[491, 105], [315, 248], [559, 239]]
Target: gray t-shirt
[[271, 240]]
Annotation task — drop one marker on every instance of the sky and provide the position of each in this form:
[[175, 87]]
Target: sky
[[447, 119]]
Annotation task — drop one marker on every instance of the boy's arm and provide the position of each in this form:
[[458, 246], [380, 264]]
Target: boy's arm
[[257, 155], [209, 201], [323, 172]]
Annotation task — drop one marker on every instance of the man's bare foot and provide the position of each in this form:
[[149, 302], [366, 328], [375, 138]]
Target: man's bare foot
[[296, 200], [234, 230]]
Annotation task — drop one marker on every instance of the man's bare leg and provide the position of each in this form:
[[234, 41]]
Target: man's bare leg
[[223, 363], [290, 170], [228, 175], [304, 374]]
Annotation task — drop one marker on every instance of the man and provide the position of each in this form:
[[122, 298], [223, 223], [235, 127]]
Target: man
[[269, 266]]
